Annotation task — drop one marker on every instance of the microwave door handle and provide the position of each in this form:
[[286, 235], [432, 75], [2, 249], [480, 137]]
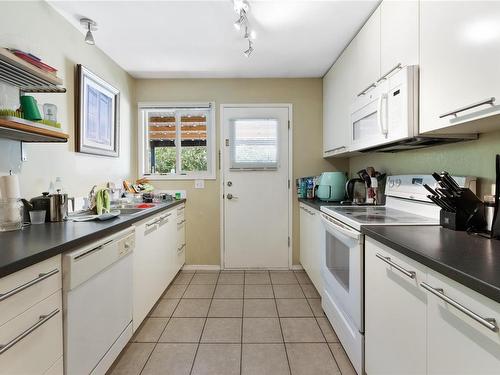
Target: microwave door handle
[[380, 118]]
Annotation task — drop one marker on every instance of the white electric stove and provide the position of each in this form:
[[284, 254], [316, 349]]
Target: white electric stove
[[343, 254]]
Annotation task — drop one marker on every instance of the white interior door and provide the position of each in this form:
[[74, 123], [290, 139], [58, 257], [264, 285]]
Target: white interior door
[[255, 192]]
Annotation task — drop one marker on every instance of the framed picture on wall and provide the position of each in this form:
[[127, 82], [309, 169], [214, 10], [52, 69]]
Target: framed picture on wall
[[97, 115]]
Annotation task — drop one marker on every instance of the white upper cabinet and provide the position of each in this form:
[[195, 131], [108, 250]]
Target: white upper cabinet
[[460, 65], [398, 34], [337, 97], [459, 343], [367, 53]]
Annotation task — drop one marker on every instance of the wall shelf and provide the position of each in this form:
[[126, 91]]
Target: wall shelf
[[28, 131], [19, 73]]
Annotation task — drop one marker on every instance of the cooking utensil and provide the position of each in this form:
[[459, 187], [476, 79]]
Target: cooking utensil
[[363, 174]]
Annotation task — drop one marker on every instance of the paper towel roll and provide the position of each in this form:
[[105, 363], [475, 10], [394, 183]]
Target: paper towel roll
[[9, 187]]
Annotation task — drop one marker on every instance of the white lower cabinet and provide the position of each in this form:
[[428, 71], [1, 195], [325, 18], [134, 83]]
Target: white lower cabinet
[[32, 342], [311, 240], [425, 323], [457, 343], [395, 312], [31, 338], [156, 260]]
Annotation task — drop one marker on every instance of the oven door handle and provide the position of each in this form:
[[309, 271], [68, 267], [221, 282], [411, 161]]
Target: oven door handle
[[335, 225]]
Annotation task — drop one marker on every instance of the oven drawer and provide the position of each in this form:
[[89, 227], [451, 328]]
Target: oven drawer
[[23, 289], [33, 341]]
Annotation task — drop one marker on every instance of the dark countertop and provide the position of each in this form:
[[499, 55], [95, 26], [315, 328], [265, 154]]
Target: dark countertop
[[316, 203], [469, 260], [23, 248]]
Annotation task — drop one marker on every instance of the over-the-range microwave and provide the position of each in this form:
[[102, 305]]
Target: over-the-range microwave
[[385, 118]]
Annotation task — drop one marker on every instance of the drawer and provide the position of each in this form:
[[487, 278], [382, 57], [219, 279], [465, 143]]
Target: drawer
[[34, 339], [477, 315], [23, 289]]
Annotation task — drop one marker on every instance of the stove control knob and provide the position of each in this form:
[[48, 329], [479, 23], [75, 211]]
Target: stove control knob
[[398, 182], [391, 183]]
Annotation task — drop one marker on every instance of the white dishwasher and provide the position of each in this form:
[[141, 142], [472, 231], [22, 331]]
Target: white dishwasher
[[97, 303]]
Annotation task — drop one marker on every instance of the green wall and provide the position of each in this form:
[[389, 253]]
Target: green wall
[[472, 158]]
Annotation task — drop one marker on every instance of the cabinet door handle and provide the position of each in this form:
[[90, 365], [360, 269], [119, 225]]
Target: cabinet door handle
[[366, 89], [489, 323], [179, 249], [41, 321], [410, 274], [397, 67], [335, 149], [489, 101], [20, 288], [181, 222]]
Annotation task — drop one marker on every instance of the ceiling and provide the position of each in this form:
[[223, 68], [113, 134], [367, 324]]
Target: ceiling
[[174, 39]]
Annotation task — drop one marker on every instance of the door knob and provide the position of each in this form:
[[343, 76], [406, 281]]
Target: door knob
[[231, 196]]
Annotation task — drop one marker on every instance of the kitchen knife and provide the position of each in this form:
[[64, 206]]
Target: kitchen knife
[[445, 176], [430, 190]]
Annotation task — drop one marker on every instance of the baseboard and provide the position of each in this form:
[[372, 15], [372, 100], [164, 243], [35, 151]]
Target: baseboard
[[201, 267], [297, 267]]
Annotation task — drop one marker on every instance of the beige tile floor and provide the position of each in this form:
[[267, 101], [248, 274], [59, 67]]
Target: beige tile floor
[[236, 322]]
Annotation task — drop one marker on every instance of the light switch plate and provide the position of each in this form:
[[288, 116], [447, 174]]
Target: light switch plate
[[199, 184]]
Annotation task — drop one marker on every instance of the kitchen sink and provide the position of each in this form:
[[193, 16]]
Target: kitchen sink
[[131, 211]]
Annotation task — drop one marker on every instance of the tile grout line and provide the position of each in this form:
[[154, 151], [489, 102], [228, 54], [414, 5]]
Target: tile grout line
[[204, 325], [170, 317], [281, 329], [242, 317], [322, 333]]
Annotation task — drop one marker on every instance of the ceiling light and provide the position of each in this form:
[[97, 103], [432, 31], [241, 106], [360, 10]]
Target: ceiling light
[[90, 26], [249, 51]]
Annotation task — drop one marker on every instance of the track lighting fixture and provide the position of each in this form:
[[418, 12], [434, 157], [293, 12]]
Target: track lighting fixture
[[241, 7], [90, 26]]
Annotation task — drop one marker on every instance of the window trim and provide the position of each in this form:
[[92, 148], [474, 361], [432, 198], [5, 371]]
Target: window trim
[[211, 142]]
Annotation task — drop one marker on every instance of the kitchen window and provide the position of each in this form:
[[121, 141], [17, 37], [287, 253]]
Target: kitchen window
[[177, 141]]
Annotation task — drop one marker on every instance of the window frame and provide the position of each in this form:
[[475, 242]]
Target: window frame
[[210, 174]]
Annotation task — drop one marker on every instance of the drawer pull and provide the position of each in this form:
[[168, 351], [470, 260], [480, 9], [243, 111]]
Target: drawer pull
[[489, 101], [181, 222], [410, 274], [163, 217], [180, 248], [41, 321], [20, 288], [153, 223], [489, 323]]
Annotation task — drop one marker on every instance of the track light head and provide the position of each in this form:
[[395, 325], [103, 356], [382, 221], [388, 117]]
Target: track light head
[[242, 20], [89, 38], [249, 51]]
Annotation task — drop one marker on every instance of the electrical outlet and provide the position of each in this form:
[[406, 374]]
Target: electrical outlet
[[199, 184]]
